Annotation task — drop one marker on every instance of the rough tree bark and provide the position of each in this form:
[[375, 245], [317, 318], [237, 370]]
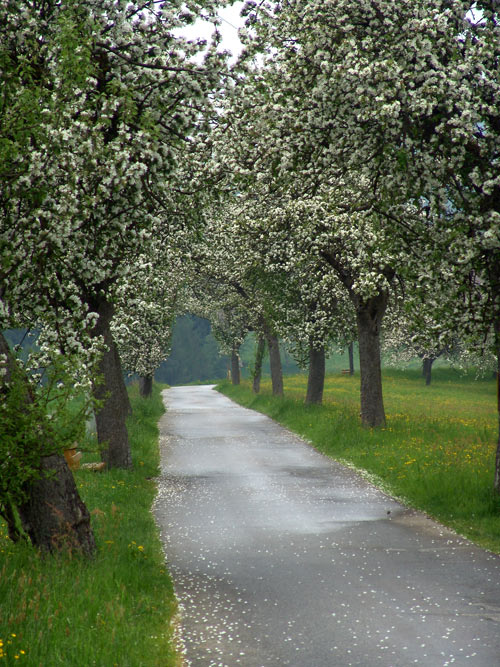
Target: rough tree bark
[[350, 350], [316, 376], [53, 516], [257, 371], [146, 386], [369, 315], [235, 365], [275, 363], [111, 417]]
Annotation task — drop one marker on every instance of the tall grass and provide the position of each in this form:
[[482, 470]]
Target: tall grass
[[116, 609], [437, 452]]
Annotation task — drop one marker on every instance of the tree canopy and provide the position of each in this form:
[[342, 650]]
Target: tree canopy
[[339, 181]]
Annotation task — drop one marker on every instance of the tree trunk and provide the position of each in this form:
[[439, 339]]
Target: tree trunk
[[316, 377], [257, 371], [146, 386], [127, 406], [350, 350], [275, 363], [111, 417], [427, 369], [369, 315], [8, 514], [497, 462], [54, 516], [235, 366]]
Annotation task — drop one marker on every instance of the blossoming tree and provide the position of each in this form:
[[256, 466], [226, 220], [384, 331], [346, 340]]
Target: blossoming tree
[[402, 95], [101, 105]]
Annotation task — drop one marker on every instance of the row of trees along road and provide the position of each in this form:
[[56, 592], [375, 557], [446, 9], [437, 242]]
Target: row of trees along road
[[360, 147], [102, 112], [340, 182]]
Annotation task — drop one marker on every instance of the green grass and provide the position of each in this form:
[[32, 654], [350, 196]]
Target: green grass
[[437, 452], [116, 609]]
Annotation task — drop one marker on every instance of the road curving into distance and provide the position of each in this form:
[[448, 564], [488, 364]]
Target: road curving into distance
[[281, 556]]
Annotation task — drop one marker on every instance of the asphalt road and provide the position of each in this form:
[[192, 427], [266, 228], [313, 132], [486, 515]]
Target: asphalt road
[[281, 556]]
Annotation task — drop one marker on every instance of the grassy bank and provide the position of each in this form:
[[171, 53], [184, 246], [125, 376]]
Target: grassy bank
[[437, 452], [114, 610]]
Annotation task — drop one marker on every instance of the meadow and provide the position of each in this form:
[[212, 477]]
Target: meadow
[[437, 452], [116, 609]]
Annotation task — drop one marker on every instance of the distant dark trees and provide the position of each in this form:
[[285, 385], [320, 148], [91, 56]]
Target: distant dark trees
[[195, 356]]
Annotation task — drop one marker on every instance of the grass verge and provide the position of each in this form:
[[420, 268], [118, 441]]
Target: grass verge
[[114, 610], [437, 453]]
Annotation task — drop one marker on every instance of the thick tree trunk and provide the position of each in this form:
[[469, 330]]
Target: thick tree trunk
[[316, 377], [275, 363], [497, 462], [235, 366], [146, 386], [54, 516], [111, 417], [369, 315], [257, 371], [427, 369], [350, 350]]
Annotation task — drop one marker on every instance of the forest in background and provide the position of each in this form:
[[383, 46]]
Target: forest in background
[[195, 355]]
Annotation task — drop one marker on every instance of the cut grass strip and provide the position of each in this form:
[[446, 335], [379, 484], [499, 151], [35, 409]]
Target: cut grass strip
[[114, 610], [437, 453]]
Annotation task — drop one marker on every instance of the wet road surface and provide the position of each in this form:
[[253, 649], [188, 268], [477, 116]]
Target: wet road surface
[[281, 556]]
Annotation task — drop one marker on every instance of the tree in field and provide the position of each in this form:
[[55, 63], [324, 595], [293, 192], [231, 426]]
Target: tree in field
[[100, 105], [413, 332], [319, 317], [360, 259]]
